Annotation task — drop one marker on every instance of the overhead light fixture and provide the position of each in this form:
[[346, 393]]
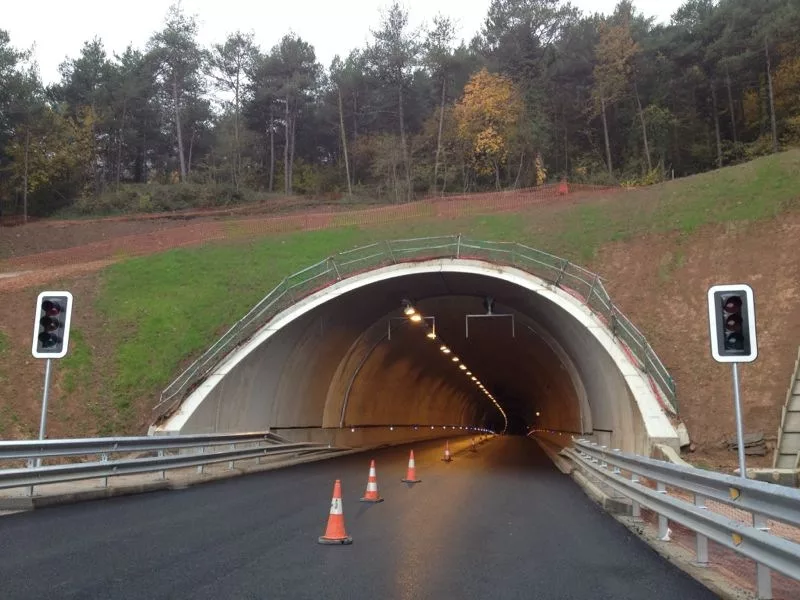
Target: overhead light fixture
[[474, 378], [408, 309], [431, 335], [445, 349], [463, 367], [416, 317], [455, 359], [469, 373]]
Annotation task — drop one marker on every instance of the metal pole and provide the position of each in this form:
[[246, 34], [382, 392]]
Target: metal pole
[[43, 421], [739, 434]]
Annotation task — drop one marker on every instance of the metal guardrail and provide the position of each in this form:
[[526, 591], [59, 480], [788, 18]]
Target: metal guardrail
[[255, 445], [555, 270], [16, 449], [762, 500]]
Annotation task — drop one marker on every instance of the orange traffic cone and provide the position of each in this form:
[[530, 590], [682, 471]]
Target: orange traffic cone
[[447, 457], [371, 495], [411, 474], [335, 533]]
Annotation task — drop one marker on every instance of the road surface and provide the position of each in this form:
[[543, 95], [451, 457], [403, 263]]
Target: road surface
[[501, 523]]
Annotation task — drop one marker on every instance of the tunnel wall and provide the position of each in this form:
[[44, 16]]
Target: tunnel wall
[[286, 375]]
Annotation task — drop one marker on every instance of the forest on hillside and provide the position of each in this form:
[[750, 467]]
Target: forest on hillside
[[542, 92]]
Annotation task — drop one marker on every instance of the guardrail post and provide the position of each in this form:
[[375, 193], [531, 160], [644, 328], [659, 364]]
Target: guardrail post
[[230, 464], [29, 489], [701, 541], [636, 508], [763, 573], [104, 459], [663, 522], [336, 268], [163, 472], [200, 467]]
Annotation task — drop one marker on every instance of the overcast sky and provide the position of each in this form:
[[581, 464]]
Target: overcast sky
[[58, 29]]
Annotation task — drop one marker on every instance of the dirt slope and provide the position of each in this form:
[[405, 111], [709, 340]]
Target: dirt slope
[[660, 282]]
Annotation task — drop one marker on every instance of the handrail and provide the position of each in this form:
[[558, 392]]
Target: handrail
[[555, 270]]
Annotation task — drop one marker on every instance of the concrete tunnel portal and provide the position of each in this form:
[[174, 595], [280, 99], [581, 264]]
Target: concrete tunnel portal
[[346, 363]]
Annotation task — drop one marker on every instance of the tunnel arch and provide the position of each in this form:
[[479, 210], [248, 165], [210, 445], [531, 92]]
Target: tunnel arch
[[319, 369]]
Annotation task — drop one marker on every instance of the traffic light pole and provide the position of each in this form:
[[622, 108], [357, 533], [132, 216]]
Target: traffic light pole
[[739, 430], [43, 421]]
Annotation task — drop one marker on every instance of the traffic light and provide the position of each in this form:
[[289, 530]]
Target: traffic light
[[732, 323], [51, 324]]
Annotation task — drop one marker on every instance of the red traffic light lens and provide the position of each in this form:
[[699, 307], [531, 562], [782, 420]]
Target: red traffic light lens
[[733, 304], [51, 308]]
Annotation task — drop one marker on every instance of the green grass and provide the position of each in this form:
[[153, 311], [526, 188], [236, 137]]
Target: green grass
[[77, 364], [164, 308]]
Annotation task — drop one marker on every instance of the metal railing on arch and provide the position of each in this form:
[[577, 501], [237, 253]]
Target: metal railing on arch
[[558, 271]]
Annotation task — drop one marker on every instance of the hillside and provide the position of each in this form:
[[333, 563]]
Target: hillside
[[137, 319]]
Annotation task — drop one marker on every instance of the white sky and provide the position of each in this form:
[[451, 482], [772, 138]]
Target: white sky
[[59, 29]]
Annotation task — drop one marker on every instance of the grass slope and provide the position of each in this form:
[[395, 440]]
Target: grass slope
[[164, 308]]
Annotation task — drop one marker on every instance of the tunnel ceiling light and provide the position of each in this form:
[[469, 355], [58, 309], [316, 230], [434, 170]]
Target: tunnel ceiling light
[[469, 373], [416, 317], [462, 367], [444, 349], [455, 359], [474, 378], [408, 309], [431, 335]]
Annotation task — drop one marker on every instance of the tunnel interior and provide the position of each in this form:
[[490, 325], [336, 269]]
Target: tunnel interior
[[359, 359]]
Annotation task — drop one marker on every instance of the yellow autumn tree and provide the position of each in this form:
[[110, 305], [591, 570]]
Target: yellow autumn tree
[[487, 117]]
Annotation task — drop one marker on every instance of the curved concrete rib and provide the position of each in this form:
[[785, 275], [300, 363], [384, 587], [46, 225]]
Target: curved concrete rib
[[562, 362]]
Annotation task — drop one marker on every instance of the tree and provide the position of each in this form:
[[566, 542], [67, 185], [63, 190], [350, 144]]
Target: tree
[[179, 65], [612, 73], [393, 54], [292, 73], [86, 84], [439, 61], [338, 76], [230, 63], [487, 116]]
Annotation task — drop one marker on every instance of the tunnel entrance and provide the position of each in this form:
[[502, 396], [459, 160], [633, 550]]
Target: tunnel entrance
[[491, 347]]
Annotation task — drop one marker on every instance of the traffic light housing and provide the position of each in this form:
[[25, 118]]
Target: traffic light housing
[[732, 323], [51, 325]]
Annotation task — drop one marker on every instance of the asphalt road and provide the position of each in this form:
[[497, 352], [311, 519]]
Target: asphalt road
[[501, 523]]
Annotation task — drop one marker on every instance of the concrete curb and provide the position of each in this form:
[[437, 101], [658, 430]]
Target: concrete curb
[[672, 552]]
